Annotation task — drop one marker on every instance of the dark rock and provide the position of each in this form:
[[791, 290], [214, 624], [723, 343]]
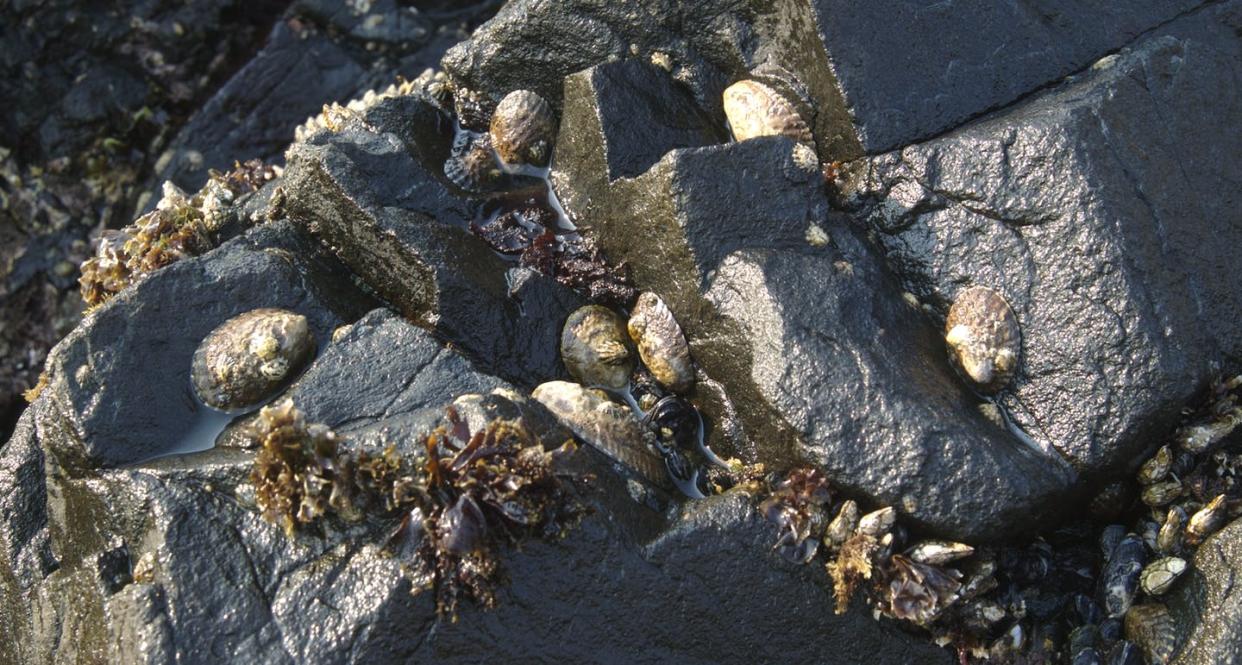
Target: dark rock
[[851, 62], [883, 413], [76, 74], [219, 581], [120, 380], [399, 227], [885, 74], [323, 52], [382, 367], [860, 377], [535, 45], [1208, 605], [1106, 212]]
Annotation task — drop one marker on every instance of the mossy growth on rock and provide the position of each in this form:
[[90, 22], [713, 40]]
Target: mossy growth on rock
[[454, 503]]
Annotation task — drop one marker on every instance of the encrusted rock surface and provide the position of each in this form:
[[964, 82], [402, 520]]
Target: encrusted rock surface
[[120, 380], [1101, 205], [172, 564]]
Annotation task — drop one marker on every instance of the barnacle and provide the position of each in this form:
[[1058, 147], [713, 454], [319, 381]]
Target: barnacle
[[177, 228]]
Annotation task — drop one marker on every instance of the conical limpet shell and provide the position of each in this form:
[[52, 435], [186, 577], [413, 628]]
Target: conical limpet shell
[[983, 337], [594, 348], [661, 344], [523, 129], [244, 360], [755, 109], [472, 163]]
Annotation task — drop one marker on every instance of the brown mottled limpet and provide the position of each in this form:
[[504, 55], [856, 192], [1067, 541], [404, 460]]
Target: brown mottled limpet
[[984, 337], [244, 360], [523, 129], [661, 343], [755, 109]]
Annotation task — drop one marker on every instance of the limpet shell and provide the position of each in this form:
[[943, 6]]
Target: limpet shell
[[594, 348], [661, 344], [523, 128], [755, 109], [984, 337], [472, 163], [245, 359]]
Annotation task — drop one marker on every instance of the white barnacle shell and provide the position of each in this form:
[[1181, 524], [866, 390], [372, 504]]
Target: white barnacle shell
[[523, 128], [939, 552], [661, 344], [1160, 574], [983, 337], [877, 522], [755, 109], [244, 360], [594, 348]]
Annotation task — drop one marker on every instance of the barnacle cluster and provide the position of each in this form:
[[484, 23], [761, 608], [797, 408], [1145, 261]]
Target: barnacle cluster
[[863, 551], [454, 502], [180, 226]]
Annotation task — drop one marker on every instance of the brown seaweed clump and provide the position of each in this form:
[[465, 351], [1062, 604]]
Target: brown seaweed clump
[[453, 507], [797, 506], [493, 487]]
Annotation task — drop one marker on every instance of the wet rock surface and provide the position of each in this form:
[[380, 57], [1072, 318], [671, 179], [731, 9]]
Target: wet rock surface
[[679, 224], [326, 598], [1106, 216], [1101, 206]]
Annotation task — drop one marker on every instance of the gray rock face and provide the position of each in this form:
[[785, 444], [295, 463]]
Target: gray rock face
[[793, 334], [1106, 215], [322, 52], [904, 71], [402, 230], [859, 375], [380, 368], [1208, 606], [120, 381]]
